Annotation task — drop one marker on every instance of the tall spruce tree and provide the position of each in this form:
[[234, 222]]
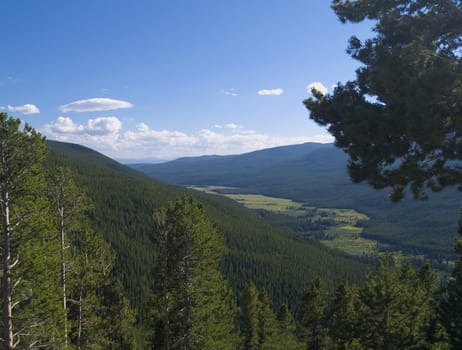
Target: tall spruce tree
[[287, 328], [313, 316], [30, 296], [452, 303], [260, 328], [344, 326], [249, 317], [89, 274], [196, 308], [269, 333], [95, 312], [69, 206]]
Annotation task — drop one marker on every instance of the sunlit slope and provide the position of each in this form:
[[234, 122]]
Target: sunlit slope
[[125, 201]]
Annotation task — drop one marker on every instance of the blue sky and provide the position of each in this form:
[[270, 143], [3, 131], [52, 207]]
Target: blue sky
[[151, 79]]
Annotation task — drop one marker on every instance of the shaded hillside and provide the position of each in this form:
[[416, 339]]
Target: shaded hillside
[[233, 169], [125, 201], [316, 174]]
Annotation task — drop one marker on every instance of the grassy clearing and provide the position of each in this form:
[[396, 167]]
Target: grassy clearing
[[211, 189], [352, 245], [341, 230], [341, 227], [257, 201]]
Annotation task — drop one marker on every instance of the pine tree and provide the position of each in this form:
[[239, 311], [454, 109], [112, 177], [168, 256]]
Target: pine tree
[[452, 303], [95, 311], [260, 328], [69, 206], [397, 309], [30, 297], [196, 308], [313, 316], [117, 318], [344, 326], [287, 329], [89, 273], [250, 309], [268, 328], [407, 136]]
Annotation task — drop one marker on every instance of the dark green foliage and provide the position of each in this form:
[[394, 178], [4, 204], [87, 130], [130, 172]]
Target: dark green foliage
[[249, 319], [268, 327], [117, 318], [96, 314], [30, 298], [344, 328], [124, 204], [399, 121], [124, 201], [196, 309], [395, 309], [287, 328], [452, 303], [313, 316], [260, 328], [89, 273]]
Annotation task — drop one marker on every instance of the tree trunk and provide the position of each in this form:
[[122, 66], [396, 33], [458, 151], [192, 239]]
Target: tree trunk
[[187, 302], [79, 322], [6, 278], [63, 269]]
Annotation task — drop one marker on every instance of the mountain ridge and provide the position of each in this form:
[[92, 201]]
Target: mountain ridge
[[319, 177], [125, 201]]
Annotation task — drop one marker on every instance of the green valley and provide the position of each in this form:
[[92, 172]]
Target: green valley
[[315, 174], [341, 229]]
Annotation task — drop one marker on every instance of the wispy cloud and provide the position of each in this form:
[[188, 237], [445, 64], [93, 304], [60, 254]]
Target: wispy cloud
[[105, 134], [270, 92], [231, 92], [231, 126], [316, 85], [24, 109], [9, 80], [96, 104]]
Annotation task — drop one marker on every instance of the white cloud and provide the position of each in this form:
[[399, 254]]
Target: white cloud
[[97, 126], [63, 125], [105, 135], [97, 104], [231, 126], [101, 133], [270, 92], [104, 125], [230, 92], [318, 87], [24, 109]]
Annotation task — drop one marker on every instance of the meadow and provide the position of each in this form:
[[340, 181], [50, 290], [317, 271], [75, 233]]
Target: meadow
[[341, 228]]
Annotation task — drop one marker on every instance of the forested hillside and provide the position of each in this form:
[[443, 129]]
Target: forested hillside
[[316, 174], [125, 201]]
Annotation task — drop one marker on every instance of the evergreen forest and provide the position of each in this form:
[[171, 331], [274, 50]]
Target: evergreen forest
[[98, 255]]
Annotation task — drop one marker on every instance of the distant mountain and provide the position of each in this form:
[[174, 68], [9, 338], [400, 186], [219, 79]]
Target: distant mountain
[[232, 168], [316, 174], [125, 201]]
